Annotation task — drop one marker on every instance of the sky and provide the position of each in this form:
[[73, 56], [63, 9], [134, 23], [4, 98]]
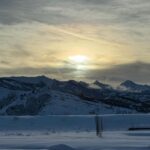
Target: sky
[[106, 40]]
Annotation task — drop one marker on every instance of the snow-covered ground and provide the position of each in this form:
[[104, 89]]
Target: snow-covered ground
[[78, 141], [73, 123], [74, 132]]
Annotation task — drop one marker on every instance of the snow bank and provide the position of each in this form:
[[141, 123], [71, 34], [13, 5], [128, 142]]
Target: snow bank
[[124, 122], [74, 123], [48, 123]]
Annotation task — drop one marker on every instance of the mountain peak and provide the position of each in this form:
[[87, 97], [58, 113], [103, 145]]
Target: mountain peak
[[98, 83], [102, 85], [128, 83]]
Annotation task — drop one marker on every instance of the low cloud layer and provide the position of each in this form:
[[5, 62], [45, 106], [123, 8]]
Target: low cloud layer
[[138, 72]]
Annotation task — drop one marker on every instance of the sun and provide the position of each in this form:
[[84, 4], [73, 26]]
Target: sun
[[80, 59], [80, 62]]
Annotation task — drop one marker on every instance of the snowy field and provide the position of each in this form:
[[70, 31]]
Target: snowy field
[[78, 141], [74, 133]]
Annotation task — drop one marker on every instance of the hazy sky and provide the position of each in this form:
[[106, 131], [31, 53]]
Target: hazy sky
[[108, 40]]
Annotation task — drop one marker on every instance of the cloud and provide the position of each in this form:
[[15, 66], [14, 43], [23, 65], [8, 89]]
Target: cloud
[[20, 51], [17, 11], [125, 16], [136, 71], [39, 35], [57, 73], [69, 11]]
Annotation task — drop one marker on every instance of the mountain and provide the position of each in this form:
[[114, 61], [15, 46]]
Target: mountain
[[43, 96], [131, 86], [101, 85]]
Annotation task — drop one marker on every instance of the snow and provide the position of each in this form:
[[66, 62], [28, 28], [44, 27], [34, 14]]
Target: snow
[[124, 122], [73, 123], [76, 141], [67, 97], [94, 86], [61, 147], [74, 132], [75, 129], [62, 104], [48, 123], [3, 92], [67, 104]]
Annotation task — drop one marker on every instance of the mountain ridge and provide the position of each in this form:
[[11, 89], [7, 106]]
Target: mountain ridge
[[40, 95]]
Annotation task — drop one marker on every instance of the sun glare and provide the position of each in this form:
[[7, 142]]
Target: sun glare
[[78, 59]]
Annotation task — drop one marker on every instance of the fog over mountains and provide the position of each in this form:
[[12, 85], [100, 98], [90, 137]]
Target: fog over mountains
[[44, 96]]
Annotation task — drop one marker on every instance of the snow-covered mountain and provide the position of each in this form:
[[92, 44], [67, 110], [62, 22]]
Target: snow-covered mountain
[[43, 96], [131, 86]]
